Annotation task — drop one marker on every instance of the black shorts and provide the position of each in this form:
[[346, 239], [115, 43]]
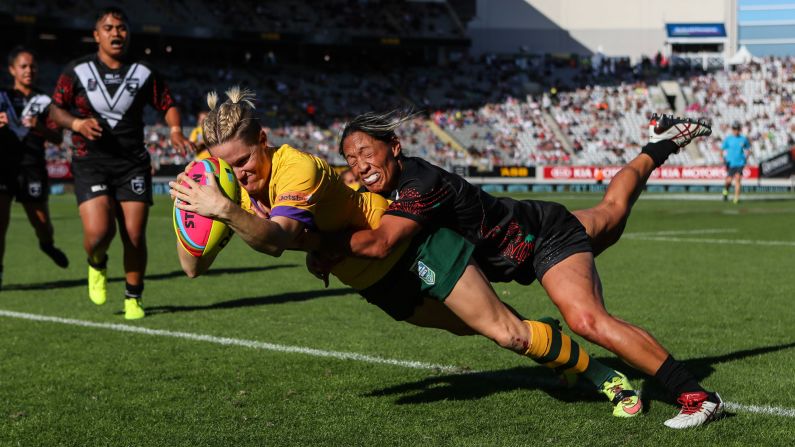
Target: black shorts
[[124, 180], [26, 183], [559, 235], [430, 267], [731, 172]]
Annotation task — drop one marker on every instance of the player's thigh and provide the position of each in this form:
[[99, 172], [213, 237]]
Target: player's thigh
[[574, 286], [474, 301], [133, 217], [97, 215], [432, 313]]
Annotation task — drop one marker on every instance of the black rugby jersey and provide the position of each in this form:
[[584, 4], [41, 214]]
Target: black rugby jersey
[[503, 230], [87, 88], [22, 144]]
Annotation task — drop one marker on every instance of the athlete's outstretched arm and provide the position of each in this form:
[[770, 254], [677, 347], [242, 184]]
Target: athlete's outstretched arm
[[379, 243], [194, 266], [270, 236]]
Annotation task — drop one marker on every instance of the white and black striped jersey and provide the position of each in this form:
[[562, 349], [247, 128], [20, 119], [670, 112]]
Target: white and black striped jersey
[[87, 88]]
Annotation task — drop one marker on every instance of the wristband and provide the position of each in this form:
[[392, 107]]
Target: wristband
[[175, 129]]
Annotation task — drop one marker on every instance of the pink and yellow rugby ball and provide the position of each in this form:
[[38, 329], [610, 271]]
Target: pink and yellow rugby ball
[[201, 235]]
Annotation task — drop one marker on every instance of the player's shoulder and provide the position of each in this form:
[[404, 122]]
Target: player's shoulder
[[70, 66], [417, 170]]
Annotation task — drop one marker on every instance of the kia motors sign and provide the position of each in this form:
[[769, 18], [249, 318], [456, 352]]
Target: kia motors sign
[[663, 173]]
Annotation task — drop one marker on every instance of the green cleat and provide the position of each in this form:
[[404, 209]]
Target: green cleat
[[97, 285], [626, 401], [133, 309]]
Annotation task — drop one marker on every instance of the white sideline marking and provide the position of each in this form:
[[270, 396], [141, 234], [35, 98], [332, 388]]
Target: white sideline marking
[[226, 341], [233, 342], [677, 232], [714, 241], [758, 409]]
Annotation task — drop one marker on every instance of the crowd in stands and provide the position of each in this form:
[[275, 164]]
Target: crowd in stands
[[316, 17], [486, 111], [591, 125]]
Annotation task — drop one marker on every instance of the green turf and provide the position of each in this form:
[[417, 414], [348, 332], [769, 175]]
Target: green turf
[[726, 309]]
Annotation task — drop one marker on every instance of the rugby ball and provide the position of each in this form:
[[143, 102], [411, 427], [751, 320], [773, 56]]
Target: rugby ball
[[197, 234]]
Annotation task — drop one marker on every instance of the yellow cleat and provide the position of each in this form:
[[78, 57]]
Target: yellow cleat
[[133, 309], [97, 285], [626, 401]]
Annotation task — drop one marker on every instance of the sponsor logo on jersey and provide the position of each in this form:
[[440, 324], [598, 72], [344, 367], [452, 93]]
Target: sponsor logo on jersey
[[425, 273], [294, 197], [98, 188]]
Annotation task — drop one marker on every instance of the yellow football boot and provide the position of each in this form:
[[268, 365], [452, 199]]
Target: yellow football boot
[[133, 310], [97, 285]]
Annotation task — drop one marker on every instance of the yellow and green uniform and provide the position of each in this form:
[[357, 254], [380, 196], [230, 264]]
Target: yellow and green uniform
[[305, 188]]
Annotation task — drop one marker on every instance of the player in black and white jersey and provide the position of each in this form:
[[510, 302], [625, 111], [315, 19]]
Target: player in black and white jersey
[[101, 97], [24, 127]]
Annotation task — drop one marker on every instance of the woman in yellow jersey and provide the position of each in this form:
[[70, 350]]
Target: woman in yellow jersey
[[293, 192]]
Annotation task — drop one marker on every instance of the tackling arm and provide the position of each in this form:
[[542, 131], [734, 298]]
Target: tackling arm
[[379, 243]]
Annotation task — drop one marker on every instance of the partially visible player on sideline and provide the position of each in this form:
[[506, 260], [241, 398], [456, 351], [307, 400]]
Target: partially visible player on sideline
[[292, 191], [24, 127], [526, 240], [101, 97], [735, 153]]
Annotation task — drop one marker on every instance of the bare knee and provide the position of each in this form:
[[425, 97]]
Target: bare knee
[[99, 238], [585, 324]]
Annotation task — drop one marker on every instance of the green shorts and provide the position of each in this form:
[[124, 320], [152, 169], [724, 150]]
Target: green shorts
[[430, 268]]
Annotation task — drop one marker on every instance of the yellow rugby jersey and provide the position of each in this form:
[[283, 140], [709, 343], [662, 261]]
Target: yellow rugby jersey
[[305, 188]]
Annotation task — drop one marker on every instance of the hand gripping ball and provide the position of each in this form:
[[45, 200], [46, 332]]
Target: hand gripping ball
[[201, 235]]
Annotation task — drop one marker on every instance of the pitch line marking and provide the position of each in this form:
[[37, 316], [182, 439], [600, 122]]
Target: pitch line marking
[[682, 232], [715, 241], [340, 355]]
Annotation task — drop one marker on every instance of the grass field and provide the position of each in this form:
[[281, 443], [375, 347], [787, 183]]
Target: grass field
[[285, 362]]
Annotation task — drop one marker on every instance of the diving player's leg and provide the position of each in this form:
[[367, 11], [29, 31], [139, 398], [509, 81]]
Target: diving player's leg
[[605, 222], [133, 217], [474, 301], [573, 285]]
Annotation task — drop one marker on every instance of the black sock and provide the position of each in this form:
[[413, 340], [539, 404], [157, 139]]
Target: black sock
[[99, 265], [55, 254], [133, 291], [676, 378], [660, 151]]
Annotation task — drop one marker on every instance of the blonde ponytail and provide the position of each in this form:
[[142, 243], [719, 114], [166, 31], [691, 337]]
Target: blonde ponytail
[[233, 119]]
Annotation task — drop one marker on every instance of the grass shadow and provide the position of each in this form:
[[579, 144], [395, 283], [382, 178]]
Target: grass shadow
[[67, 283], [477, 385], [288, 297]]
